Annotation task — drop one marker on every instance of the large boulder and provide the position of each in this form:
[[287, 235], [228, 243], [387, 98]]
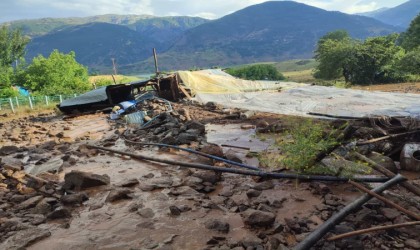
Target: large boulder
[[78, 180], [256, 218]]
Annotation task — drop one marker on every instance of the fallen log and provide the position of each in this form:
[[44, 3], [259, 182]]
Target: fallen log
[[316, 235], [242, 171], [373, 229], [386, 201], [415, 190]]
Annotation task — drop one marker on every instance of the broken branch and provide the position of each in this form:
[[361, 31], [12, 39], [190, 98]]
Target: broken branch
[[386, 201], [386, 138], [372, 229], [316, 235], [240, 171], [415, 190]]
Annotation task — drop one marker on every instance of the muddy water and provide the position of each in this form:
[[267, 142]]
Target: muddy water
[[234, 135]]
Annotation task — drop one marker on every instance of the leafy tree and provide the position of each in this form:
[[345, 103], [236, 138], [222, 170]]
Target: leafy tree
[[12, 48], [257, 72], [411, 38], [410, 63], [374, 61], [332, 51], [58, 74], [12, 45]]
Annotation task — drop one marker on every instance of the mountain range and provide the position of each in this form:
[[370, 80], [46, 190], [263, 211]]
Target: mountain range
[[401, 16], [271, 31]]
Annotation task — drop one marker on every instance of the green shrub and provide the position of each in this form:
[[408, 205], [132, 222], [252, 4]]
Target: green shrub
[[257, 72], [307, 140]]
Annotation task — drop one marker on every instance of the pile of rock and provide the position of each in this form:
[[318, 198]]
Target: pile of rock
[[169, 128]]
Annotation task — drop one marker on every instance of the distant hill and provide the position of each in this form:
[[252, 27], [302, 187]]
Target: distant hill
[[42, 26], [127, 38], [271, 31], [372, 13], [95, 44], [401, 16]]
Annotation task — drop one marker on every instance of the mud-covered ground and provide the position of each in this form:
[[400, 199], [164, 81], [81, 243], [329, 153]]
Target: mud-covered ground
[[99, 200]]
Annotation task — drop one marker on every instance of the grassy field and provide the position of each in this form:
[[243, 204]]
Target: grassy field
[[296, 65], [298, 70], [300, 76]]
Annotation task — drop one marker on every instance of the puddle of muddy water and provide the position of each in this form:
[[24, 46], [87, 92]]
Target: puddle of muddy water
[[234, 135]]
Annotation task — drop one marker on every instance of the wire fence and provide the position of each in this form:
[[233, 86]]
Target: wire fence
[[13, 104]]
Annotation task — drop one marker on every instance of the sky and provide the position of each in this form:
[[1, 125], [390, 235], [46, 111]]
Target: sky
[[29, 9]]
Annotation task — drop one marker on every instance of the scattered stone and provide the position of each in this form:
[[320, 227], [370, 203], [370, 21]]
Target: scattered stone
[[217, 225], [174, 210], [119, 194], [384, 161], [146, 213], [8, 150], [74, 199], [258, 218], [129, 183], [412, 243], [213, 149], [25, 238], [59, 213], [43, 207], [30, 203], [196, 125], [149, 176], [208, 176], [252, 193], [77, 180], [134, 207], [390, 213], [262, 124], [231, 155], [51, 166], [186, 138], [264, 185]]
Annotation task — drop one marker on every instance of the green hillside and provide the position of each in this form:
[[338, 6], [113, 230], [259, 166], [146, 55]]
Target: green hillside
[[272, 31]]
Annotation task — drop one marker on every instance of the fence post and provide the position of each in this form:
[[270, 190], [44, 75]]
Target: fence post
[[30, 103], [17, 101], [11, 105], [61, 98], [46, 100]]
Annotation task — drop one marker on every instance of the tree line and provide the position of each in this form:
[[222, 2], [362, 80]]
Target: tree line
[[392, 58], [57, 74]]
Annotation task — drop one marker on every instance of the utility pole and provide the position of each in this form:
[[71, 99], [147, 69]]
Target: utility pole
[[115, 70], [156, 62]]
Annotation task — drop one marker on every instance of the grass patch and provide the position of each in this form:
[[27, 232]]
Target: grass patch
[[300, 145]]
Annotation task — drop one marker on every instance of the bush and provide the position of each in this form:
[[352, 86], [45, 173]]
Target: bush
[[308, 139], [257, 72]]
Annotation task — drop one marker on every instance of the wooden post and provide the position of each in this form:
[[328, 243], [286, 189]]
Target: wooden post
[[11, 105], [156, 62], [46, 100], [30, 103], [17, 101], [61, 98]]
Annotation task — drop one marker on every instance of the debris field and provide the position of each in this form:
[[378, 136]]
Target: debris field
[[87, 182]]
